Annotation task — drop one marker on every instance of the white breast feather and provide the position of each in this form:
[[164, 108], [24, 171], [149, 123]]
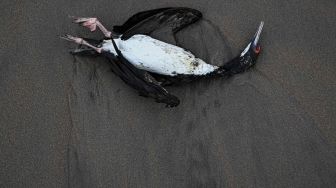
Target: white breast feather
[[159, 57]]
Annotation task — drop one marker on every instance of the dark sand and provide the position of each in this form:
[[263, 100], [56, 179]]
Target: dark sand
[[67, 123]]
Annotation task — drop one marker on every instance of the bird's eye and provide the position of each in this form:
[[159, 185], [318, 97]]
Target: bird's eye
[[257, 49]]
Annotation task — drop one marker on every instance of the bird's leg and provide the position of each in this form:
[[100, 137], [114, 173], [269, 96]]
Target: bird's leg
[[92, 24], [80, 41]]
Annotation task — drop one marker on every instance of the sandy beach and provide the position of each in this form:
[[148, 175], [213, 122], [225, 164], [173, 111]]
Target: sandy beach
[[70, 122]]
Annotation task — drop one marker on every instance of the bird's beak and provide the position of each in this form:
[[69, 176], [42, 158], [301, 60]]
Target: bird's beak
[[257, 35]]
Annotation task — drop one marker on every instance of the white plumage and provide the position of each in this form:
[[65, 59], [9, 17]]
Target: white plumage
[[152, 55]]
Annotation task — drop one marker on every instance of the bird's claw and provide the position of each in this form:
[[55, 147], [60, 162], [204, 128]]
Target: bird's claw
[[90, 23], [72, 39]]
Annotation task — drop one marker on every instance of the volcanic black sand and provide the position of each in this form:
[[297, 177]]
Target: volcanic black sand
[[70, 122]]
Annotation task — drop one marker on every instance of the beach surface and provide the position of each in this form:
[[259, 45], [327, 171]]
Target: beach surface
[[70, 122]]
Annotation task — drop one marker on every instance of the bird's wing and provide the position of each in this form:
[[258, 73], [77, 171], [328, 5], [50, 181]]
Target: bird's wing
[[149, 21], [136, 18], [140, 80]]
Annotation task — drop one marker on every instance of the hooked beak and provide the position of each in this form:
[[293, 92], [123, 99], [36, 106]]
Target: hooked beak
[[255, 40]]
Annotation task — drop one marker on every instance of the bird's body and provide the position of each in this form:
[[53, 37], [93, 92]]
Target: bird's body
[[155, 56], [147, 64]]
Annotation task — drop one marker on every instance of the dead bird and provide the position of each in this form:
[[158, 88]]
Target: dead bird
[[148, 64]]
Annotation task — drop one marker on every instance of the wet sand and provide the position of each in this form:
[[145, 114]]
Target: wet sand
[[69, 122]]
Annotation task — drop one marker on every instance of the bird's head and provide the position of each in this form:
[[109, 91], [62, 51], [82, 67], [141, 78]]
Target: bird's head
[[255, 41], [254, 47], [248, 56]]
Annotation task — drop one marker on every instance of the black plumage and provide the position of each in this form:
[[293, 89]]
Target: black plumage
[[151, 84]]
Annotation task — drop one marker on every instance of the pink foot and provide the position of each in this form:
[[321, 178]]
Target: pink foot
[[77, 40], [90, 23], [80, 41]]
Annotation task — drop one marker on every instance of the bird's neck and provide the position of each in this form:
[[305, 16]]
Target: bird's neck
[[107, 45]]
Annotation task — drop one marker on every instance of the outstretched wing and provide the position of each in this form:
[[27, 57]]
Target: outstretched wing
[[140, 80], [148, 21], [136, 18]]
